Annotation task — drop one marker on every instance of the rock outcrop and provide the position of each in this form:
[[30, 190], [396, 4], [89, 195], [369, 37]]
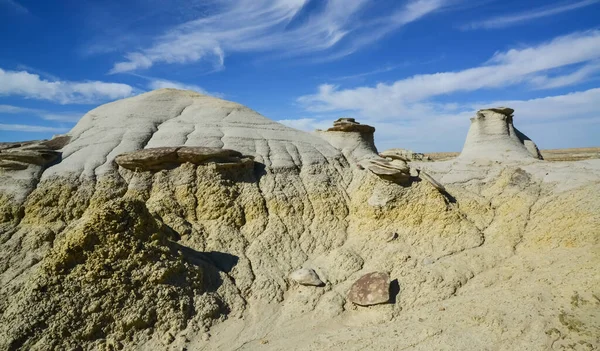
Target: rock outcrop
[[189, 243], [19, 156], [492, 136], [356, 142]]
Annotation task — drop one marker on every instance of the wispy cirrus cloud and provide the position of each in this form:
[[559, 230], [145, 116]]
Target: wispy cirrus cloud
[[69, 117], [523, 17], [288, 27], [528, 65], [31, 128], [31, 86]]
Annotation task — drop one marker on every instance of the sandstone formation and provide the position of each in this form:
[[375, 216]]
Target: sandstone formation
[[492, 136], [370, 289], [354, 140], [306, 276], [133, 239]]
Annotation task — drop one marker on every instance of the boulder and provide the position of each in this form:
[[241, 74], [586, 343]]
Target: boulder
[[306, 276], [370, 289]]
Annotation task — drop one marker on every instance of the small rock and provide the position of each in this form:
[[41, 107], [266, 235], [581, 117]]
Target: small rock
[[391, 236], [370, 289], [414, 172], [427, 261], [306, 276]]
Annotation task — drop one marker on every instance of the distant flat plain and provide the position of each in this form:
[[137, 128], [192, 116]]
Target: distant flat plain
[[573, 154]]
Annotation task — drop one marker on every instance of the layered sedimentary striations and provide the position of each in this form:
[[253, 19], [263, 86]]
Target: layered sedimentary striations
[[492, 136], [174, 220]]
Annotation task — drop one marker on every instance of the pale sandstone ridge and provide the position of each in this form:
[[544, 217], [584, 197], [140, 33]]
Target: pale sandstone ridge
[[175, 221], [492, 136]]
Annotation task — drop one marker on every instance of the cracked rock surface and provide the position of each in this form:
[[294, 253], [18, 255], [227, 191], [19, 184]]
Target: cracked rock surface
[[96, 256]]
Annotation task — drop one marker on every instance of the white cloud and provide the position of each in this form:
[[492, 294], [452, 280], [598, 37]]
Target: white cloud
[[16, 109], [569, 120], [306, 124], [48, 116], [28, 85], [579, 75], [282, 26], [69, 117], [406, 97], [31, 128], [518, 18], [407, 114]]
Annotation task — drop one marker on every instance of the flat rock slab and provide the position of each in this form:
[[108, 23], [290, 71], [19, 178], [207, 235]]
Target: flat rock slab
[[396, 170], [361, 128], [370, 289], [507, 111], [165, 157]]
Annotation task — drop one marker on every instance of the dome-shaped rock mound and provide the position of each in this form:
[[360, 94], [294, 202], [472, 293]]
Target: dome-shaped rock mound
[[173, 118], [492, 136]]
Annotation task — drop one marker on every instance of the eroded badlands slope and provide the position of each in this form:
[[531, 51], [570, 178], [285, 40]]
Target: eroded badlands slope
[[197, 255]]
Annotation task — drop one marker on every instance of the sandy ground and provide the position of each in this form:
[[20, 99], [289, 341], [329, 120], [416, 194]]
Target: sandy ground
[[572, 154]]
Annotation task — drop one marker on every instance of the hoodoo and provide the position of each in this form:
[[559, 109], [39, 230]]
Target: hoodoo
[[492, 136], [354, 140]]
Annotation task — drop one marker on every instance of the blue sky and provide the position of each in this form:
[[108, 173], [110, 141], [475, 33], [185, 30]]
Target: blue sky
[[414, 69]]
